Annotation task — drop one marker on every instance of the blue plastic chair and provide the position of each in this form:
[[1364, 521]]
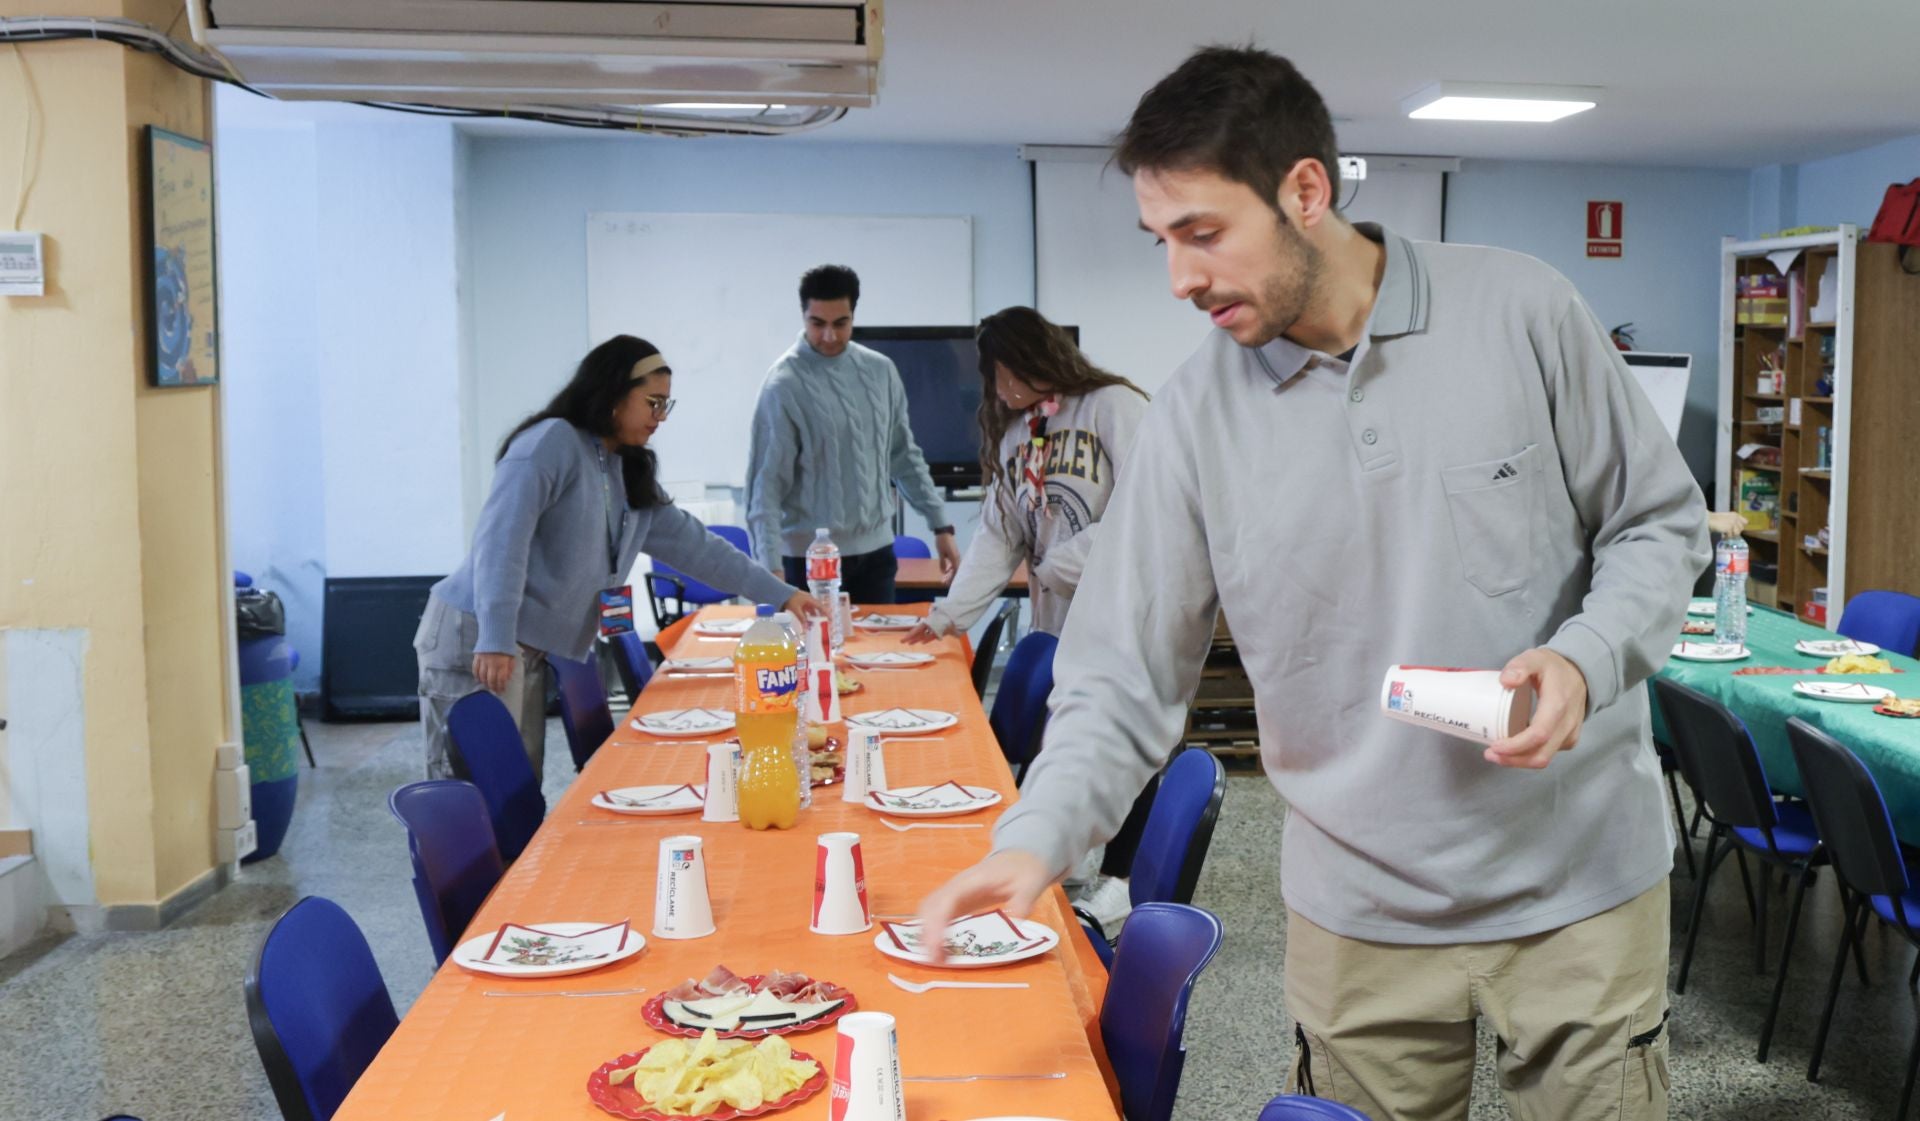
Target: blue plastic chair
[[1102, 948], [1716, 751], [489, 747], [1161, 953], [905, 546], [1020, 707], [455, 860], [1889, 620], [1173, 846], [1872, 870], [1292, 1107], [636, 667], [666, 583], [583, 707], [318, 1008]]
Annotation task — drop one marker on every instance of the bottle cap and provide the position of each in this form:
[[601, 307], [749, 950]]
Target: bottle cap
[[762, 610]]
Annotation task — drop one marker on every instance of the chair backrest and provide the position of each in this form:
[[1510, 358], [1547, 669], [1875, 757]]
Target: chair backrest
[[636, 668], [1097, 938], [1292, 1107], [1020, 707], [905, 546], [1717, 755], [1890, 620], [1848, 810], [318, 1008], [583, 706], [455, 859], [1173, 846], [489, 747], [989, 647], [1162, 950], [696, 592]]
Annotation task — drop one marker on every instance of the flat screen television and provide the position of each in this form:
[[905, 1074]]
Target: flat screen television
[[940, 368]]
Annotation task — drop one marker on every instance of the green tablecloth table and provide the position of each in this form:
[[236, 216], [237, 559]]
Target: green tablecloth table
[[1889, 746]]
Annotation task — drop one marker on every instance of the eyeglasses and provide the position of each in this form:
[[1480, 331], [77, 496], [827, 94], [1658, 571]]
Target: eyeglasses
[[661, 406]]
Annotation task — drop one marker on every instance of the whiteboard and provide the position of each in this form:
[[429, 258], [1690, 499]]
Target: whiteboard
[[1663, 378], [719, 295], [1099, 272]]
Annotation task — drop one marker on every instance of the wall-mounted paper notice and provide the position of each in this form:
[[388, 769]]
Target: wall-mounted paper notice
[[23, 268]]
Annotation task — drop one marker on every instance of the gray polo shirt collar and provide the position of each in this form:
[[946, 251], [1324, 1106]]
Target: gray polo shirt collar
[[1399, 308]]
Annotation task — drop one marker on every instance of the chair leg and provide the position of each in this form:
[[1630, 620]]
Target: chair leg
[[1786, 956], [1746, 881], [1760, 920], [1693, 827], [304, 744], [1833, 984], [1699, 906], [1860, 946], [1680, 824], [1906, 1088], [1913, 979]]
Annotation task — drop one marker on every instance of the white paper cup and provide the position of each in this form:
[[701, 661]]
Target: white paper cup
[[840, 886], [681, 908], [1468, 703], [723, 783], [863, 747], [866, 1070]]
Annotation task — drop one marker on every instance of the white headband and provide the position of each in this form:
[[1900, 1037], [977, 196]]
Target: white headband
[[647, 366]]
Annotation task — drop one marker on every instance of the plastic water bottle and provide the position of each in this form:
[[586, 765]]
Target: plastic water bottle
[[1730, 591], [823, 581], [802, 752]]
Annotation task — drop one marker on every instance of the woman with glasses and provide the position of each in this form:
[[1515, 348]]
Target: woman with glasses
[[575, 500]]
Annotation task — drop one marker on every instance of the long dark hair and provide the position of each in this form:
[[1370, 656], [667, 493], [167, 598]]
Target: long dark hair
[[601, 381], [1035, 350]]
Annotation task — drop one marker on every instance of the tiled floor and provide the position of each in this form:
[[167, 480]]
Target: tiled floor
[[154, 1024]]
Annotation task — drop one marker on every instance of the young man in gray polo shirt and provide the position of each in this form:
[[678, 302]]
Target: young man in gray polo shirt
[[1387, 452]]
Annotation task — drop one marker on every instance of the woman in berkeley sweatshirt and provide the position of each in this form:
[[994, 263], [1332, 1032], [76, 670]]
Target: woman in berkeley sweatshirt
[[1054, 431], [574, 502]]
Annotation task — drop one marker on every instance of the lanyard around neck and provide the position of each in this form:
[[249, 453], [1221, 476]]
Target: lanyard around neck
[[616, 519]]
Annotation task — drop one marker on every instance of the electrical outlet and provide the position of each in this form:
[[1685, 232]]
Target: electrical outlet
[[229, 756], [231, 845], [1353, 167], [232, 797]]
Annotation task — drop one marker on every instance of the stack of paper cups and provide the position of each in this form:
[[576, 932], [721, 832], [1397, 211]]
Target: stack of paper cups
[[722, 802], [866, 1070], [1468, 703], [840, 886], [866, 765], [823, 694], [681, 908]]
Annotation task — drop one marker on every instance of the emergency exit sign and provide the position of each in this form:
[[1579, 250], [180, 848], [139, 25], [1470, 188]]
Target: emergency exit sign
[[1604, 232]]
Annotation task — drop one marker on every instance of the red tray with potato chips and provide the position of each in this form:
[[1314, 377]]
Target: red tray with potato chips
[[625, 1101]]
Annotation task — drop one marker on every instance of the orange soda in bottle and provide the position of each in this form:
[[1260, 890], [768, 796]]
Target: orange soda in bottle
[[766, 675]]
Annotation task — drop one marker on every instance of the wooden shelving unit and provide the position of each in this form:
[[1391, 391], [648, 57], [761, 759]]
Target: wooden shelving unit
[[1866, 493], [1221, 718]]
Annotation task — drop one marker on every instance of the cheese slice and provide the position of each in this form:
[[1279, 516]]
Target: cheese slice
[[761, 1010]]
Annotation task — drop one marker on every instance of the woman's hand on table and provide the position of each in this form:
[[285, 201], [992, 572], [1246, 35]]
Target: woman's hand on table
[[1012, 879], [493, 671], [1559, 709], [802, 606], [922, 634]]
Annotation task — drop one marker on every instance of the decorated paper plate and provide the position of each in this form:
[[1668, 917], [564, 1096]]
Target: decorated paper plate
[[890, 659], [754, 1007], [1844, 692], [548, 949], [722, 628], [697, 665], [888, 622], [1708, 608], [624, 1101], [1697, 627], [652, 801], [1835, 647], [975, 942], [946, 799], [904, 721], [1710, 651], [685, 722]]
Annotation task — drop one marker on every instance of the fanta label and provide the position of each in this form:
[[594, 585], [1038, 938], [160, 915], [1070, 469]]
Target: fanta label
[[766, 686]]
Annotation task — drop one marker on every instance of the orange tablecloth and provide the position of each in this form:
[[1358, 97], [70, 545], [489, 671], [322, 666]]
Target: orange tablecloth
[[462, 1056]]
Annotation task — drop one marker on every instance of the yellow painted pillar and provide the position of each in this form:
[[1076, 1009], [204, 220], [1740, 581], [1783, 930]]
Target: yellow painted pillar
[[112, 535]]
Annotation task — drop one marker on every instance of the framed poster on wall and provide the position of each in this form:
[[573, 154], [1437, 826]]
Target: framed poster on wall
[[182, 346]]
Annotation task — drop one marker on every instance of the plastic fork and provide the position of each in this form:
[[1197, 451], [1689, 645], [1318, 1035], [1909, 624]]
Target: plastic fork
[[922, 825], [925, 986]]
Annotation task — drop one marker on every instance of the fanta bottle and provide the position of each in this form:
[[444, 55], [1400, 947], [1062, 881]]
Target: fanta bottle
[[766, 676]]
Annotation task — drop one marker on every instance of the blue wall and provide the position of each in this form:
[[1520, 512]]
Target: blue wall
[[1844, 188], [1666, 281]]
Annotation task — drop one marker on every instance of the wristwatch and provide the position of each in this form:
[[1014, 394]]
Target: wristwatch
[[940, 529]]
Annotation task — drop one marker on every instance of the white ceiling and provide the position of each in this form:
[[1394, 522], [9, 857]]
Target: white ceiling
[[1728, 83]]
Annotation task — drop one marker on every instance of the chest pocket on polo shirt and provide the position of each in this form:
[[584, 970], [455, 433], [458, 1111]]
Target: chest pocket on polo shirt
[[1491, 506]]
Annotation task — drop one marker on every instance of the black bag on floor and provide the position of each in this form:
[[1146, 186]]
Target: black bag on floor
[[259, 613]]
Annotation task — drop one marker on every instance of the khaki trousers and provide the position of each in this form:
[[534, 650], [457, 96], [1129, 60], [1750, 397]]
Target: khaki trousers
[[444, 647], [1579, 1015]]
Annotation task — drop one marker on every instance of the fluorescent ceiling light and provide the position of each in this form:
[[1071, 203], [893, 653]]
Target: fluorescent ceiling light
[[1482, 101], [716, 106]]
